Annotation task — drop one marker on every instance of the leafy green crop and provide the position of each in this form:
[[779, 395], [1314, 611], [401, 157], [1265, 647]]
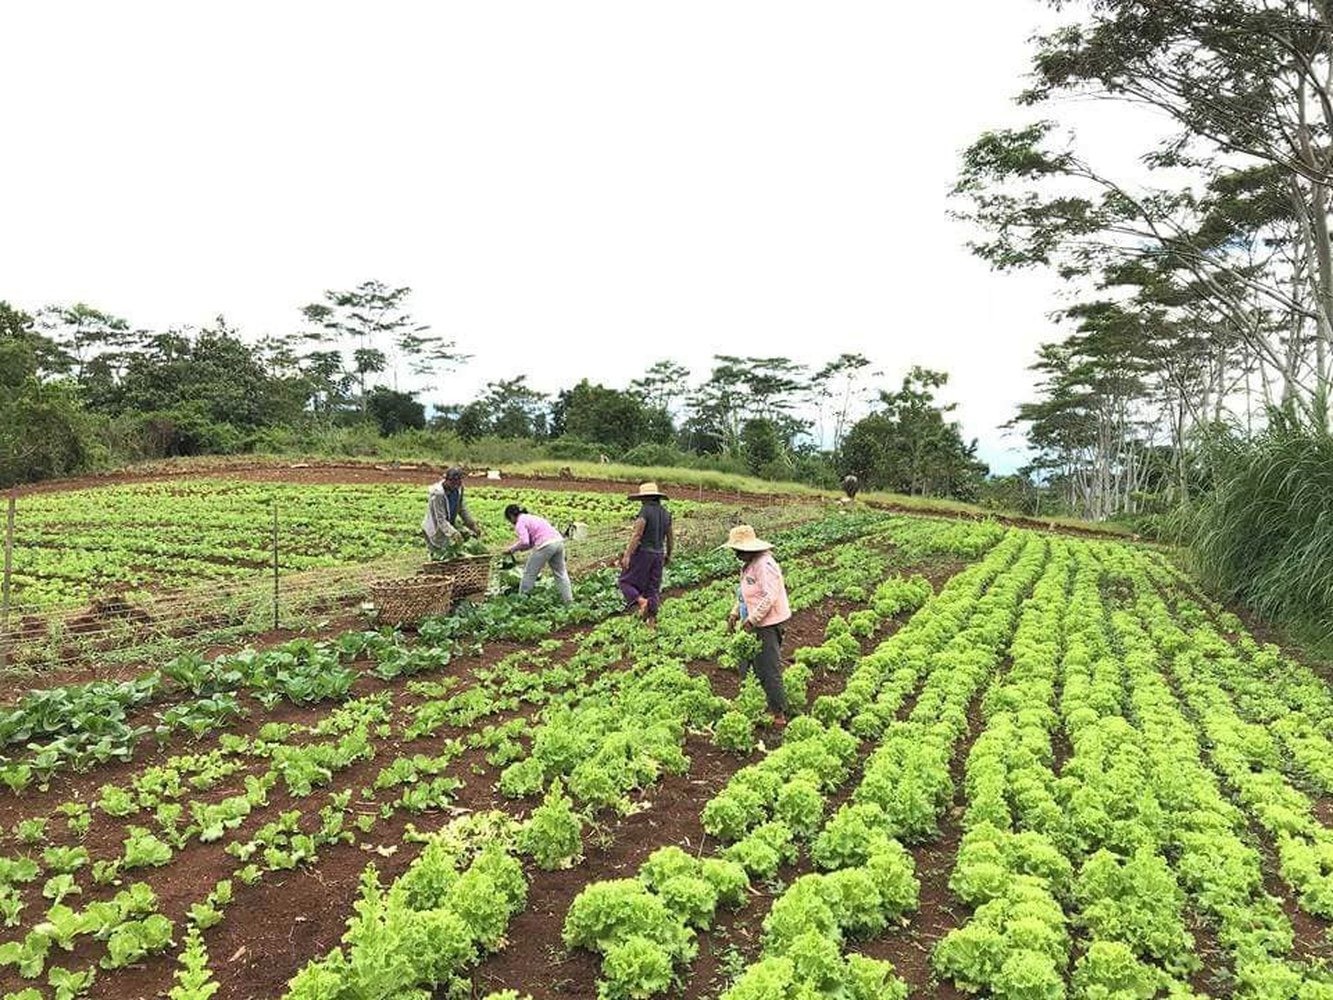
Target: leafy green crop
[[194, 980], [144, 850], [553, 834]]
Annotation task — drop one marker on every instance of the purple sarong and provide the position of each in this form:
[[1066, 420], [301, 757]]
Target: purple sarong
[[643, 579]]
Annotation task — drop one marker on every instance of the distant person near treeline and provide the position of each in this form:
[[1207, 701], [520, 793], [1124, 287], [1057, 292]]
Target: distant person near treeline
[[647, 554]]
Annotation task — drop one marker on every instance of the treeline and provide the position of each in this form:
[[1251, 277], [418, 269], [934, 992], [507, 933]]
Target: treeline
[[86, 389], [1192, 380]]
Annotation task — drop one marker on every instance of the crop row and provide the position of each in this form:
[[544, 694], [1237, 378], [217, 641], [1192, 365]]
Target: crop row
[[769, 809], [1108, 860], [302, 766], [69, 546], [82, 725]]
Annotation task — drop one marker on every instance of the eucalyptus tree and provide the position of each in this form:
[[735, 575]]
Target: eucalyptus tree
[[370, 329], [1095, 425], [85, 333], [739, 389], [839, 386], [1236, 201]]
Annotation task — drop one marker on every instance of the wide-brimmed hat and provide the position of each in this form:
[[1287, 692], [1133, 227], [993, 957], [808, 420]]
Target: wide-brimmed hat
[[743, 539], [648, 491]]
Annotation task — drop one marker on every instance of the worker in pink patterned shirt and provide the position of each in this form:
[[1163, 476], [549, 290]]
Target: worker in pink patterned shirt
[[545, 547], [762, 608]]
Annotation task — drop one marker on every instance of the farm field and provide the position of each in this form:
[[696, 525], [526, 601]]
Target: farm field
[[1026, 766], [134, 538]]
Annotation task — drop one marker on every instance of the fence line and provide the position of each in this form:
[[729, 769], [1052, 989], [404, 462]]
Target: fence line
[[269, 597], [10, 505]]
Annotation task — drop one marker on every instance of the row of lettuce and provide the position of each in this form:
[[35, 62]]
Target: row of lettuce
[[71, 545], [605, 736], [1132, 868], [78, 726], [645, 928]]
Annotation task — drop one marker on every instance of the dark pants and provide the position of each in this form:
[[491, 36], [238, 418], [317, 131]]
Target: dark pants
[[643, 579], [768, 666]]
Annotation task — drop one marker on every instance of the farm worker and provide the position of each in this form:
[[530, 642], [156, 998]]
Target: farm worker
[[546, 545], [762, 608], [444, 506], [650, 543]]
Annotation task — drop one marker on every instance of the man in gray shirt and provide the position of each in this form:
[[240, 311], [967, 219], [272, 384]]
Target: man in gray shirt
[[445, 506]]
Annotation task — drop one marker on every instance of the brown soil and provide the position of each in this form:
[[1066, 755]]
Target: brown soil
[[737, 936], [1311, 940], [536, 961], [273, 928], [910, 950], [1323, 810]]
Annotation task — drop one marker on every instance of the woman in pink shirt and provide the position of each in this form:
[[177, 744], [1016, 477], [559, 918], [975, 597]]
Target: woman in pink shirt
[[761, 607], [546, 546]]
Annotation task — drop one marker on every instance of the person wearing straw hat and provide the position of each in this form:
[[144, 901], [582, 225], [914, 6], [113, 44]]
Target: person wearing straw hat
[[649, 550], [762, 608]]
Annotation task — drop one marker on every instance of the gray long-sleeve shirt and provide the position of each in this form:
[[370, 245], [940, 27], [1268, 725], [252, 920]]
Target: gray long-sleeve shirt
[[436, 524]]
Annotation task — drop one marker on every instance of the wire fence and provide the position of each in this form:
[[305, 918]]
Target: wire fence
[[123, 623]]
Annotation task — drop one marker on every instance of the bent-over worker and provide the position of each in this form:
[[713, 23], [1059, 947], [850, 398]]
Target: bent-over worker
[[649, 550], [445, 506], [762, 608], [545, 547]]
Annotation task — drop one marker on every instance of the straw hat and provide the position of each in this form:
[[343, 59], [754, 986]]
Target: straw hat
[[743, 539], [647, 491]]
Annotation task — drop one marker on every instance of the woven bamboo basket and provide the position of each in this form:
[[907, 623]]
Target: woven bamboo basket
[[400, 602], [470, 574]]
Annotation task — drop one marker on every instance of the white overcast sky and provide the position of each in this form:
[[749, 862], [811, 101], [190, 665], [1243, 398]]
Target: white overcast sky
[[572, 188]]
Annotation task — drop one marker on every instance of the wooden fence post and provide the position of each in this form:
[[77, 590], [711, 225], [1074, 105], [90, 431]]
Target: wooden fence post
[[4, 583], [275, 563]]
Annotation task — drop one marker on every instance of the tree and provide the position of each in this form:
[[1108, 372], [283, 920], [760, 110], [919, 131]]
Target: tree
[[866, 450], [371, 331], [838, 387], [1095, 429], [662, 384], [510, 408], [213, 374], [761, 446], [473, 421], [395, 411], [604, 416], [40, 428], [85, 333], [740, 389], [908, 446], [1242, 212], [28, 352]]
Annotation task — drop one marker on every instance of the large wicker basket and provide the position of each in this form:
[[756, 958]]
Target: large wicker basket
[[470, 574], [402, 602]]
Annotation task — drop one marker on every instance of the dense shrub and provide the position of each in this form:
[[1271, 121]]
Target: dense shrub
[[1264, 534]]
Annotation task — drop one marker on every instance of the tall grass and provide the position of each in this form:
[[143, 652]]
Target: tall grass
[[1264, 535]]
